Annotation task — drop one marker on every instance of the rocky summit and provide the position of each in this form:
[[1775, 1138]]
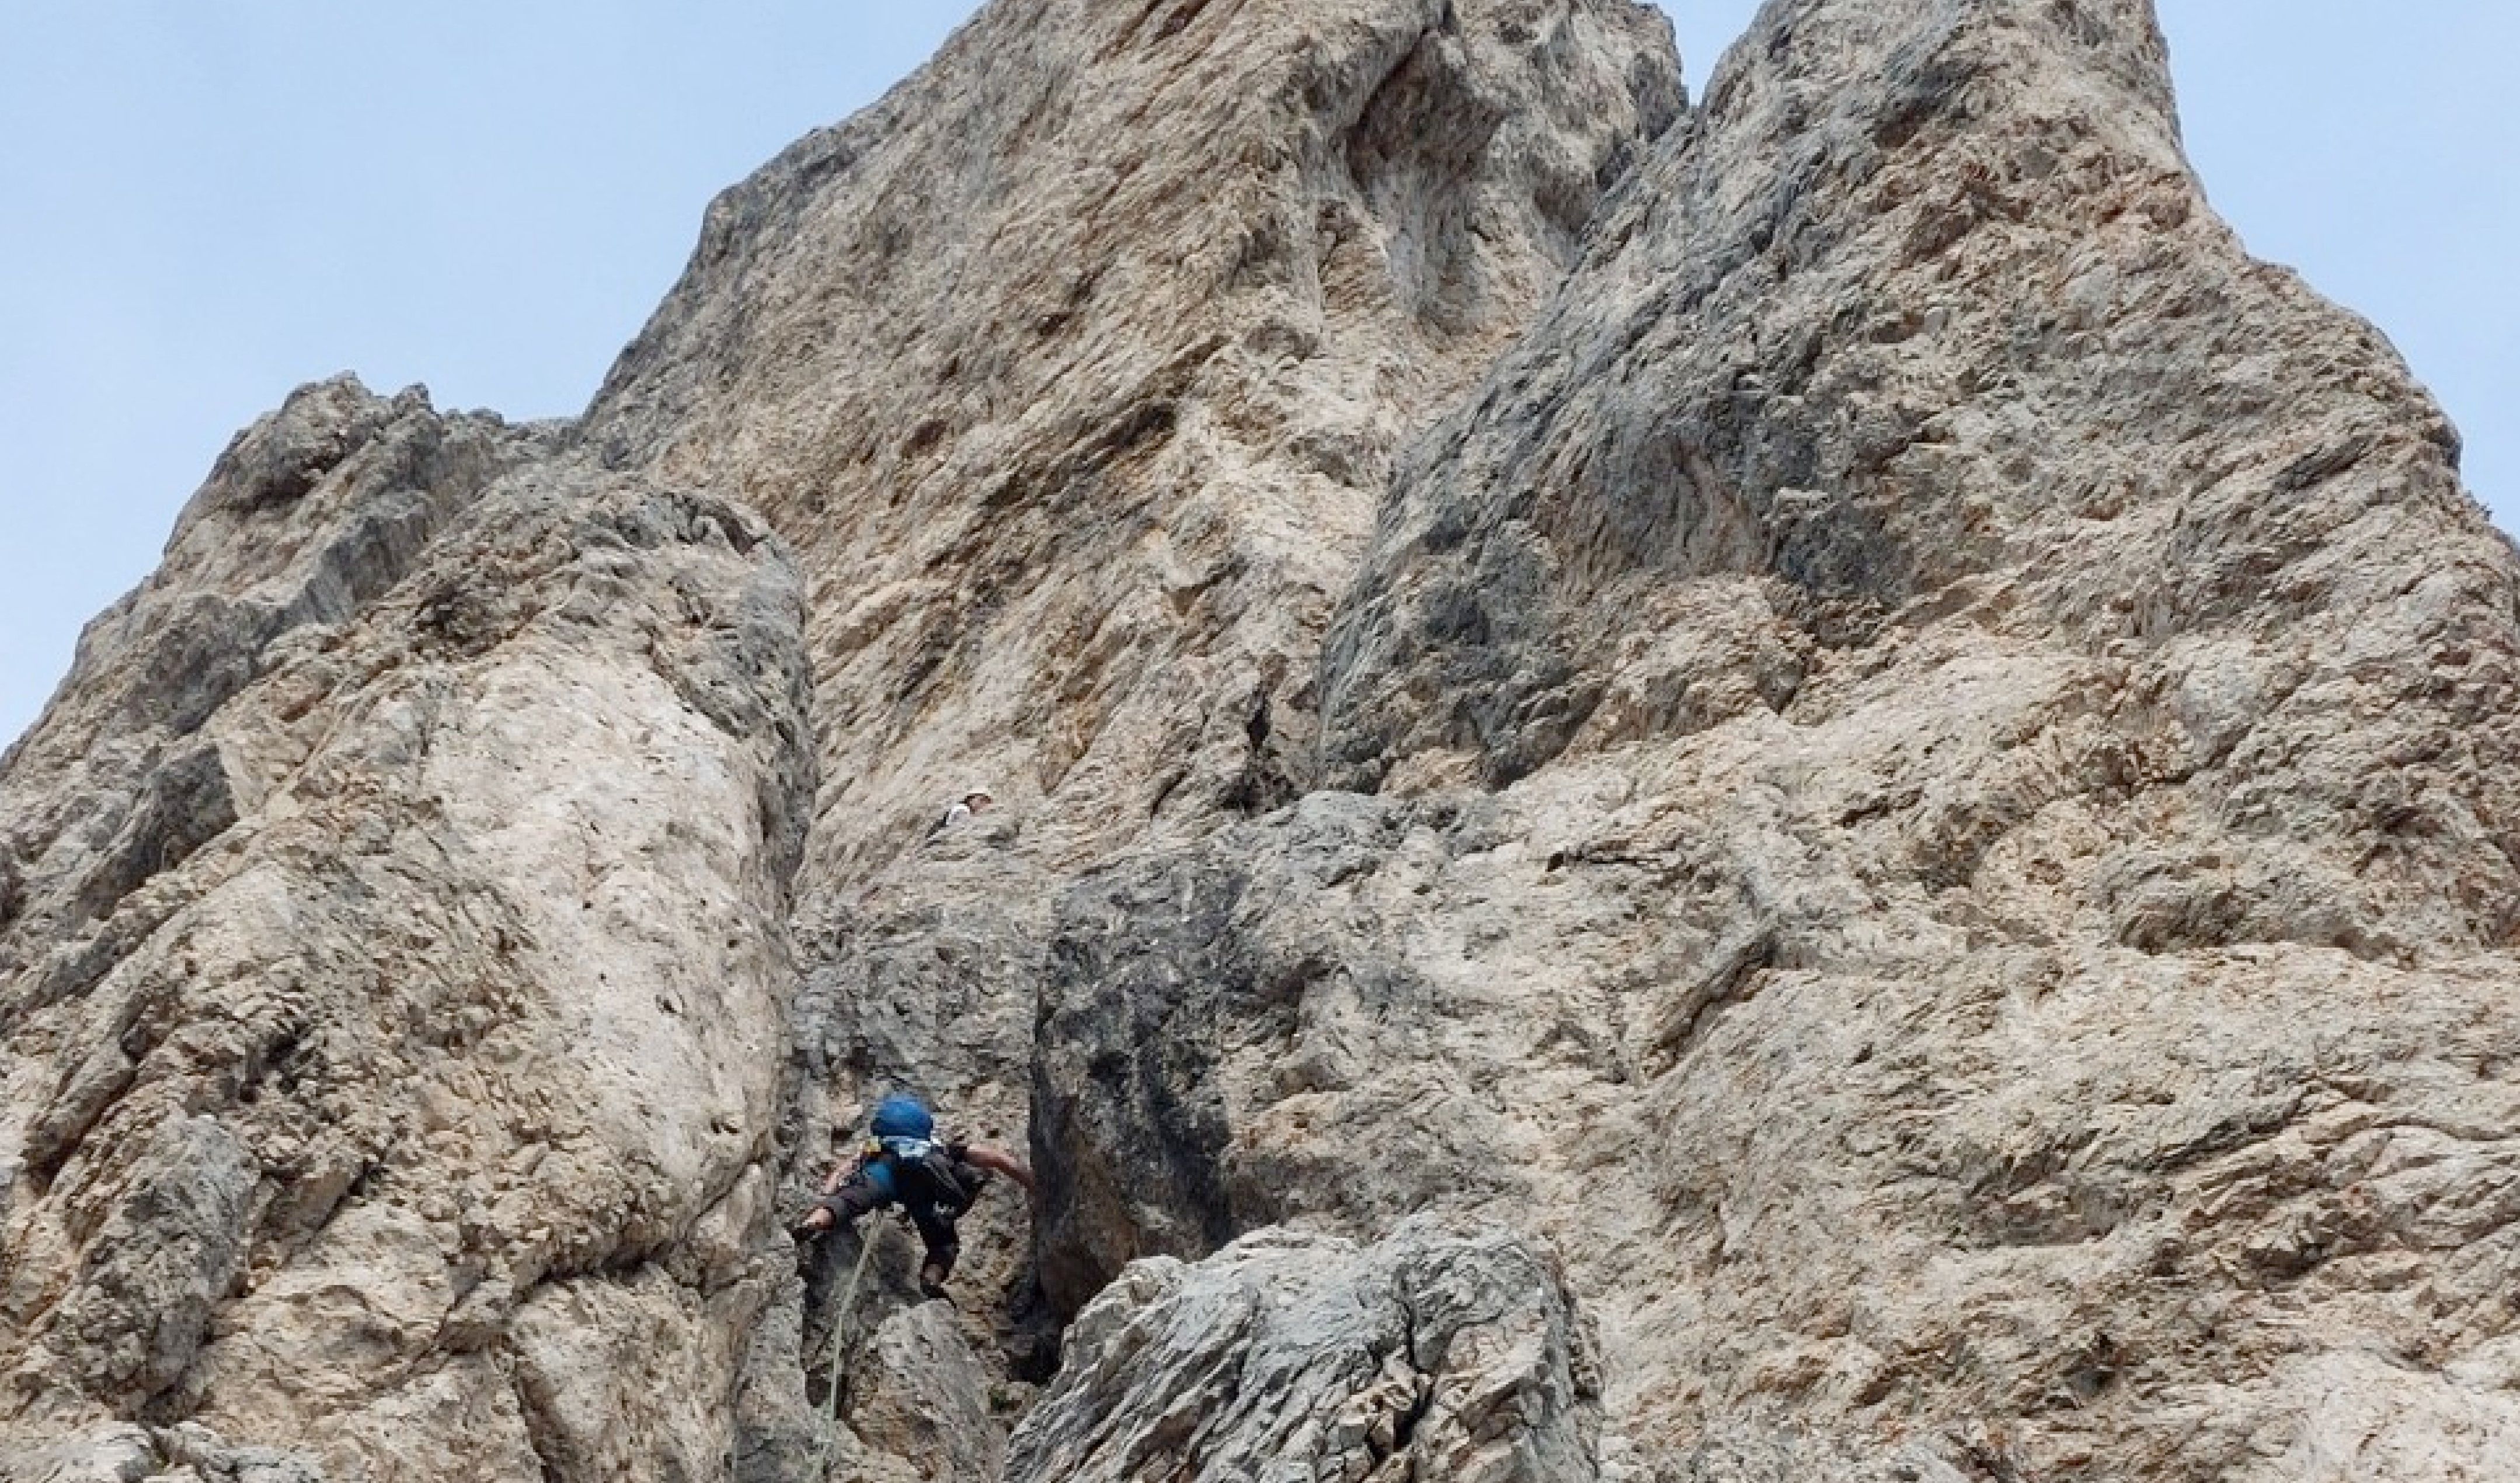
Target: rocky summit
[[1794, 785]]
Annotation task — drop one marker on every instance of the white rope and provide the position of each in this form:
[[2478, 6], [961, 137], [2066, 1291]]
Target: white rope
[[839, 1339]]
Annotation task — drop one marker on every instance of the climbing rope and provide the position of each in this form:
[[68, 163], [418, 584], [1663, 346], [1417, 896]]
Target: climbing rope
[[836, 1358]]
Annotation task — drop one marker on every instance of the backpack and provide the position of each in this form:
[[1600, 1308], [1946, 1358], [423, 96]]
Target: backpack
[[921, 1169]]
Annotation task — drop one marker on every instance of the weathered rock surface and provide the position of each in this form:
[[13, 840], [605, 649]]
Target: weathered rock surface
[[313, 511], [1075, 368], [1290, 1357], [187, 1452], [922, 1395], [1828, 718], [1944, 820], [1074, 371], [414, 1111]]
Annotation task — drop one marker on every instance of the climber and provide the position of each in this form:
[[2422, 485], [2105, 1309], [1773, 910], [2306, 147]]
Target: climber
[[977, 801], [933, 1181]]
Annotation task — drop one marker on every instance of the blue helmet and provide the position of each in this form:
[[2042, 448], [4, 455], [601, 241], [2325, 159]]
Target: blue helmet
[[902, 1116]]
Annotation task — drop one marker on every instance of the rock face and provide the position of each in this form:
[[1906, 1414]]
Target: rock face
[[395, 1013], [1804, 788], [1944, 824], [1076, 367], [1290, 1359], [1074, 371]]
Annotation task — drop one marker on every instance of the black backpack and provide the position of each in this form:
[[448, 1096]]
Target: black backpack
[[924, 1172]]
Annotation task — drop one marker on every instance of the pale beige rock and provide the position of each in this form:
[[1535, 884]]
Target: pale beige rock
[[919, 1395], [1073, 371], [434, 855], [1076, 366], [1980, 920], [446, 1074], [1931, 828]]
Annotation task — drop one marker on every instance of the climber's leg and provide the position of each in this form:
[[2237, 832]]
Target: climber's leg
[[936, 1232]]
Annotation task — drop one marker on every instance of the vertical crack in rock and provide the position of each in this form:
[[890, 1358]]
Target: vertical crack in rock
[[1075, 470]]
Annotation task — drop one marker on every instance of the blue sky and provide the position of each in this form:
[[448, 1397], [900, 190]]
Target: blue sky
[[212, 201]]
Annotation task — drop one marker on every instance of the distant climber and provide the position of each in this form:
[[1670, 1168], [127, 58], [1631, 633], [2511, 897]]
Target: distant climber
[[977, 801], [933, 1181]]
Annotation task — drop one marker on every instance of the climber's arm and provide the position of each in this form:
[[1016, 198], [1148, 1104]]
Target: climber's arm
[[999, 1161]]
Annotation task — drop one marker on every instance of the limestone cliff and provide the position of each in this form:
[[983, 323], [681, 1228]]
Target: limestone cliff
[[1796, 788]]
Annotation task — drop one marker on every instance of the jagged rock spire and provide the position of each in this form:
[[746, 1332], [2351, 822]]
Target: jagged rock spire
[[1929, 832]]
